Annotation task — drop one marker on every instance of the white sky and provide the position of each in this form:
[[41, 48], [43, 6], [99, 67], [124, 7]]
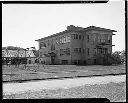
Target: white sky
[[22, 24]]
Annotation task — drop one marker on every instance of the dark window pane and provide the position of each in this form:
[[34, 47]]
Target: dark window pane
[[76, 36], [88, 38], [79, 36]]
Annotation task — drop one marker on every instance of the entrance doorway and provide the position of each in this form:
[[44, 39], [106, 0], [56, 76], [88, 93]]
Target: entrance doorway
[[95, 61]]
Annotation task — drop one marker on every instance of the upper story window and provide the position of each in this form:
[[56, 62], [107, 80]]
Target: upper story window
[[68, 38], [60, 52], [60, 40], [79, 36], [109, 39], [65, 41], [57, 42], [42, 45], [88, 51], [77, 50], [101, 39], [87, 38], [94, 37], [76, 36], [48, 43]]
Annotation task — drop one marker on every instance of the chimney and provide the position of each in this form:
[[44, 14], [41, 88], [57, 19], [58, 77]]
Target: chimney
[[71, 27]]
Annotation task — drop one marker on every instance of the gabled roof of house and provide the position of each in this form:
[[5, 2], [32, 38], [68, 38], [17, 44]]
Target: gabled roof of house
[[16, 53]]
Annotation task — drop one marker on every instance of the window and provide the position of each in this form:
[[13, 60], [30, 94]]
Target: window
[[77, 50], [56, 41], [68, 51], [106, 50], [109, 40], [64, 51], [88, 51], [100, 50], [60, 40], [94, 37], [64, 61], [42, 45], [76, 36], [60, 52], [94, 51], [79, 36], [64, 39], [48, 43], [88, 38], [76, 62], [69, 38]]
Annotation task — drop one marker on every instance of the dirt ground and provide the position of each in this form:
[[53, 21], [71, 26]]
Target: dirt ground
[[112, 91]]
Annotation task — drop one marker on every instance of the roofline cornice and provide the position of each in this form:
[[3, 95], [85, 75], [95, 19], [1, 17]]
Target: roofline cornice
[[77, 30]]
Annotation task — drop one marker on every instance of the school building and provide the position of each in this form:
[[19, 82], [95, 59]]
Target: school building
[[76, 45]]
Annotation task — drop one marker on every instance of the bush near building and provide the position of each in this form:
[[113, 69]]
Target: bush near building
[[115, 58]]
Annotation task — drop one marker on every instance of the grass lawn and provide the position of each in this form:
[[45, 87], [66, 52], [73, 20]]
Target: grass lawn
[[34, 71]]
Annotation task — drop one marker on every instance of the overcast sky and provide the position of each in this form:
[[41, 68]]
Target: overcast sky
[[22, 24]]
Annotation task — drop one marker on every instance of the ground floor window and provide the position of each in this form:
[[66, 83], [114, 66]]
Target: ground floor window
[[64, 61], [76, 62], [94, 61]]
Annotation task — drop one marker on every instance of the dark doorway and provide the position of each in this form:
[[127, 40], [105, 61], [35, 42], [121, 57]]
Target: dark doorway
[[94, 61], [64, 62]]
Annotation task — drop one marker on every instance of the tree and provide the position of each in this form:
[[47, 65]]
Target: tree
[[122, 56], [116, 57]]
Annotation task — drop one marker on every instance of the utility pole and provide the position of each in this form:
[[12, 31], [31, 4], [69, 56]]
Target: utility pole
[[25, 59], [7, 56]]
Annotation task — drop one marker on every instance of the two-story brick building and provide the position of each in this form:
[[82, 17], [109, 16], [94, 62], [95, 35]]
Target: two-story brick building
[[76, 45]]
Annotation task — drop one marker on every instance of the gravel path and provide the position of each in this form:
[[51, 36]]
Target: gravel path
[[12, 88]]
